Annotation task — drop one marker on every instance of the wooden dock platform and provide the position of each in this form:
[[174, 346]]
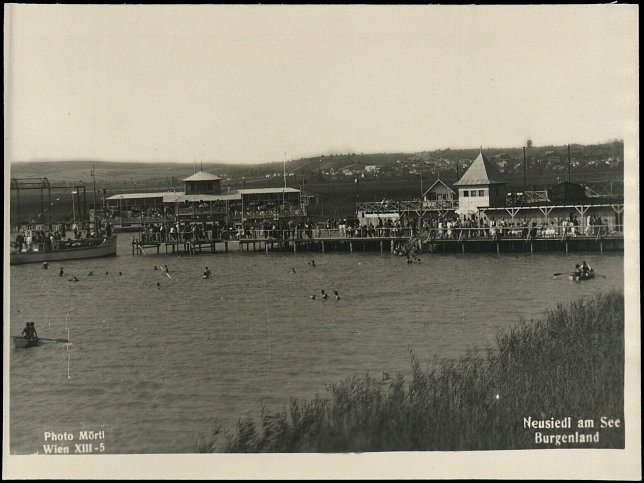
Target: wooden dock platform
[[392, 244]]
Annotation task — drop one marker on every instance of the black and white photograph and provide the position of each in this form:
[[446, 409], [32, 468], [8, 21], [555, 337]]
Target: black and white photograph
[[321, 241]]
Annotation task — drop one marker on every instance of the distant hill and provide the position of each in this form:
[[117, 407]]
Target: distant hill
[[396, 176], [544, 164]]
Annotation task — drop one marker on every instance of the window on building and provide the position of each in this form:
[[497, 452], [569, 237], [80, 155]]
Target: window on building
[[481, 192], [473, 192], [466, 193]]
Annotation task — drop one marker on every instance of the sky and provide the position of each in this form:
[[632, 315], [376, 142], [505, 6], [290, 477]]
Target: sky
[[250, 84]]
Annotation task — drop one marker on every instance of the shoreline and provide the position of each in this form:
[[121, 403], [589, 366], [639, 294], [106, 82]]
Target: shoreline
[[476, 402]]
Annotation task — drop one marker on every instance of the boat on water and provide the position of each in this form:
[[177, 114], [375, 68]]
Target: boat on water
[[67, 250], [40, 242], [580, 278], [22, 343]]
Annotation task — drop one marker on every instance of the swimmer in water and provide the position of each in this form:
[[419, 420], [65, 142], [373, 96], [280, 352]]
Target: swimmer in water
[[206, 273], [62, 272], [312, 297], [155, 267], [106, 273], [313, 263], [90, 274], [120, 273], [324, 296], [293, 270], [166, 269], [158, 284], [44, 265], [337, 296]]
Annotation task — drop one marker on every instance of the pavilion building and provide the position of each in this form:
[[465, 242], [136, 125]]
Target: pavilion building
[[203, 200]]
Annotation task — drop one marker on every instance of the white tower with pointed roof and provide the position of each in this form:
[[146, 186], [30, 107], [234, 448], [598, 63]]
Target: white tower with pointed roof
[[482, 186]]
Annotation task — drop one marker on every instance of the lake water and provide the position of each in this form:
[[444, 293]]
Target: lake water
[[152, 366]]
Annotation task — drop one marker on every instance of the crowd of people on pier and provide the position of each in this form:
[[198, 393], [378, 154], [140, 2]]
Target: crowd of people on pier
[[446, 227]]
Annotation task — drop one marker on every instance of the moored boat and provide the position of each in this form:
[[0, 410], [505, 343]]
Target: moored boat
[[68, 250], [22, 343]]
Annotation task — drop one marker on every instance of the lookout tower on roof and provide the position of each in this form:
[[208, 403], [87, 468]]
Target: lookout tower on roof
[[482, 186], [202, 183]]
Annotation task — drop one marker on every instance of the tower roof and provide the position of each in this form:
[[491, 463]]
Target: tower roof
[[202, 176], [482, 171]]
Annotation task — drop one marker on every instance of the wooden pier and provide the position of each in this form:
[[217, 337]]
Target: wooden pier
[[383, 244]]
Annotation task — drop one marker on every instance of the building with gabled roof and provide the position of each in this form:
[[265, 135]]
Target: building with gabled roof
[[482, 186], [439, 191]]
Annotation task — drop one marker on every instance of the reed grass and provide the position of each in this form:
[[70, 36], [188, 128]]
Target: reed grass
[[571, 363]]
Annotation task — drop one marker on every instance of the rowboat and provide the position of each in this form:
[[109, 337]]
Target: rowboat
[[75, 250], [21, 343], [575, 278]]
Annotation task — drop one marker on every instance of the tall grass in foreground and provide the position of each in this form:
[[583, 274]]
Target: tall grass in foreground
[[570, 364]]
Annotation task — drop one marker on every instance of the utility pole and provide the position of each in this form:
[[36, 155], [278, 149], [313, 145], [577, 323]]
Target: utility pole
[[242, 203], [94, 189], [73, 206], [284, 190], [524, 170]]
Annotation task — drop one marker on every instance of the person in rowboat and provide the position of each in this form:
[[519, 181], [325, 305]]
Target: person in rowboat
[[585, 269], [577, 272], [29, 332]]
